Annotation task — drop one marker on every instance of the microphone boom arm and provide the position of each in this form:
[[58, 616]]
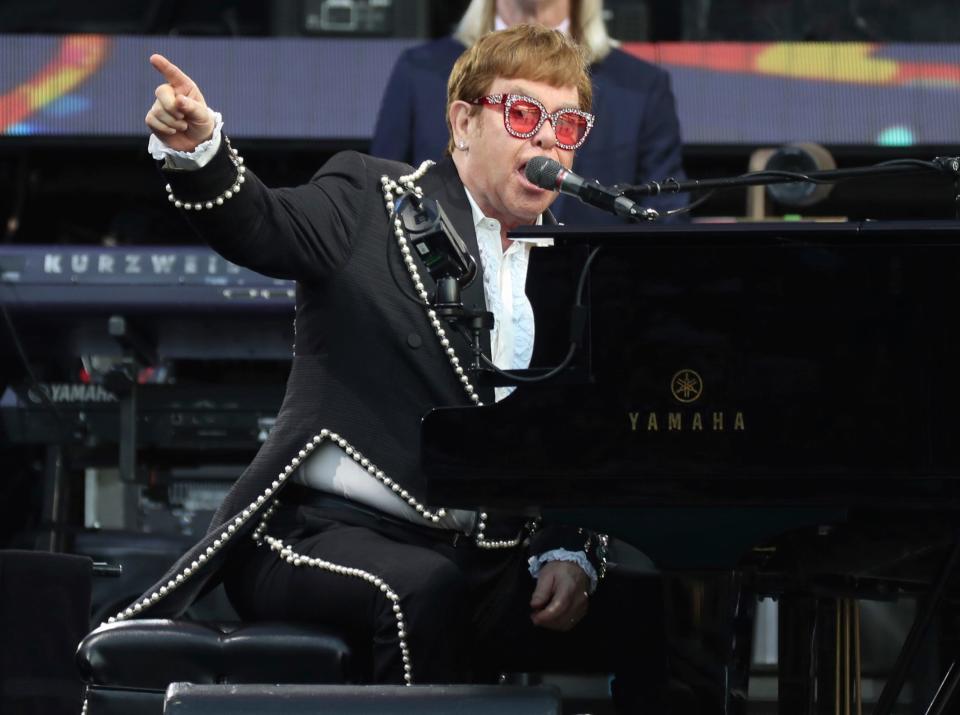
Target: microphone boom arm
[[949, 165]]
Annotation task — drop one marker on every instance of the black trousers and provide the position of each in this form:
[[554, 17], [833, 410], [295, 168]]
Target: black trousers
[[466, 610]]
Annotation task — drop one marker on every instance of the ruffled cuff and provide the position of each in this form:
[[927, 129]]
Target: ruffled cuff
[[196, 159], [535, 563]]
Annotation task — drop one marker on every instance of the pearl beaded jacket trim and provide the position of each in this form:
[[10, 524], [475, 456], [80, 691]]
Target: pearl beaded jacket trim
[[392, 190], [227, 529], [296, 559], [226, 195]]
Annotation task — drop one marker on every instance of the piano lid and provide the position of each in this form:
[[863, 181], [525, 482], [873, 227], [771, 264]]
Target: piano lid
[[747, 364]]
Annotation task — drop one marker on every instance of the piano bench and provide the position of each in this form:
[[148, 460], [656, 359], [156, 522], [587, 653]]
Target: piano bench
[[127, 666]]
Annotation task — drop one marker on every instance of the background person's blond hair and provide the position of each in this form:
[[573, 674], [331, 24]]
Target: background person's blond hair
[[586, 25]]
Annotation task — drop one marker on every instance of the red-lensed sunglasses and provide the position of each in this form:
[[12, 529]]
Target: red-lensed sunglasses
[[523, 116]]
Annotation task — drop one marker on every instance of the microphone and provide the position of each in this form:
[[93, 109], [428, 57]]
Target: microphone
[[549, 174]]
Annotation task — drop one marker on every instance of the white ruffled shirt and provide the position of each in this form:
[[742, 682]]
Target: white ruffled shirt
[[504, 288]]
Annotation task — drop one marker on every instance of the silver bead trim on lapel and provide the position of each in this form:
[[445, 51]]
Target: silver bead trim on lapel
[[230, 527], [391, 190], [296, 559]]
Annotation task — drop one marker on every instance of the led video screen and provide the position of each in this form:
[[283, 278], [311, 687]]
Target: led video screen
[[330, 89]]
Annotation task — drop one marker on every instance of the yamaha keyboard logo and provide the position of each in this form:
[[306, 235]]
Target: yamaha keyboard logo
[[67, 392], [687, 387]]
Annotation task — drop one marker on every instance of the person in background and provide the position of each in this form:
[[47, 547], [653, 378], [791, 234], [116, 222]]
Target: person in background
[[640, 133]]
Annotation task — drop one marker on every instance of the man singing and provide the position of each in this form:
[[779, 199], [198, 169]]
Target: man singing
[[329, 523]]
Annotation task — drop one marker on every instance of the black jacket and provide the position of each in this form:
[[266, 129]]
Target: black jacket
[[367, 362]]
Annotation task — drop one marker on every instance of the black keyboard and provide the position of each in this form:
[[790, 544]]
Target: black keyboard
[[172, 279]]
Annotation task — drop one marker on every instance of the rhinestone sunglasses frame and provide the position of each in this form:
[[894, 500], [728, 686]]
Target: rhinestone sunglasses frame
[[508, 100]]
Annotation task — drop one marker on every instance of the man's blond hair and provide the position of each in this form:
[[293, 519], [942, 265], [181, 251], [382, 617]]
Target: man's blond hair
[[528, 52]]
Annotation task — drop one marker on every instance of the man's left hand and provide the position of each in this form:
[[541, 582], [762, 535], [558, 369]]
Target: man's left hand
[[560, 599]]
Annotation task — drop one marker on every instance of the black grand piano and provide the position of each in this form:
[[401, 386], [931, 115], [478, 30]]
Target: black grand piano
[[778, 399]]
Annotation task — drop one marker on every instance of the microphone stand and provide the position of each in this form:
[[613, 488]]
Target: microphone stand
[[449, 306], [446, 258], [944, 165]]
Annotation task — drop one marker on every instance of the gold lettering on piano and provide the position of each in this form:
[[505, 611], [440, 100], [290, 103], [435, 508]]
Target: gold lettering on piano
[[689, 421], [686, 387]]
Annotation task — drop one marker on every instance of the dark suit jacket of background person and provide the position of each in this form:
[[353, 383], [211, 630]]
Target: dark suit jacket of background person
[[636, 137], [367, 363]]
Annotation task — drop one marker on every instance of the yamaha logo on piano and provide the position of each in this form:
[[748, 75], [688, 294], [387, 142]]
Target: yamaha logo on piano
[[686, 387]]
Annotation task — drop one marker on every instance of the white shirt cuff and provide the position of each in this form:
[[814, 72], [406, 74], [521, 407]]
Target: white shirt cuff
[[196, 159], [535, 563]]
